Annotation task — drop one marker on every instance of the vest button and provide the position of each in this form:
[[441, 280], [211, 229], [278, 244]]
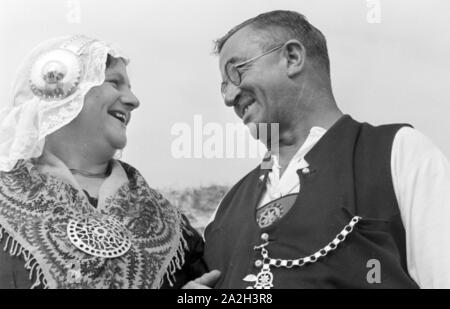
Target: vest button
[[265, 236], [306, 171], [258, 263]]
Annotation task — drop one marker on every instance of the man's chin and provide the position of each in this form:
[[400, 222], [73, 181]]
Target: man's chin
[[262, 131], [253, 129]]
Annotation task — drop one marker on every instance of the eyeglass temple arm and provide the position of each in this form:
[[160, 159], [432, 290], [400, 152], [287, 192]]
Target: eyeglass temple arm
[[257, 57]]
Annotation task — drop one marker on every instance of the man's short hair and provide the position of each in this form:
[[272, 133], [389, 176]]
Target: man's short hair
[[293, 25]]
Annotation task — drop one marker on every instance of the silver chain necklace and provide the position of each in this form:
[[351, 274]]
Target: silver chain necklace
[[264, 279]]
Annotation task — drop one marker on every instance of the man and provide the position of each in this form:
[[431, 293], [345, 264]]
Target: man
[[344, 204]]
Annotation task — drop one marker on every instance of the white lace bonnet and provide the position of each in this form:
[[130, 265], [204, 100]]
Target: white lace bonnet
[[48, 93]]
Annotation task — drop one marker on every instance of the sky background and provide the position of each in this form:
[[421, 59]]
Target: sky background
[[394, 70]]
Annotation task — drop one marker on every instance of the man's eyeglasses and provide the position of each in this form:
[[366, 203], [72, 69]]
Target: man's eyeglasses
[[233, 73]]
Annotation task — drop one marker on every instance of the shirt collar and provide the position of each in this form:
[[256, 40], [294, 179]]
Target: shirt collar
[[315, 134]]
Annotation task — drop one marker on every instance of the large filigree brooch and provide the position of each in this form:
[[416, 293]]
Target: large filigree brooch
[[99, 236], [55, 75]]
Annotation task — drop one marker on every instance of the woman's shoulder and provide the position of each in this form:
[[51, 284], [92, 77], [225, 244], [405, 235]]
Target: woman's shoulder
[[22, 181], [135, 177], [128, 167]]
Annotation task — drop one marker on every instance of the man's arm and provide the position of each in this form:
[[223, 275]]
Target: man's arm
[[421, 177]]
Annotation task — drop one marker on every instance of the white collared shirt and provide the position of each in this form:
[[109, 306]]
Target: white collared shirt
[[421, 178], [289, 182]]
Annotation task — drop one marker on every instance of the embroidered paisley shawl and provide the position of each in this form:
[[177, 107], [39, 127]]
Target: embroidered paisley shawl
[[35, 210]]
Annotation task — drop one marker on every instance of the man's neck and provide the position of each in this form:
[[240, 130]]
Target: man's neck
[[292, 139]]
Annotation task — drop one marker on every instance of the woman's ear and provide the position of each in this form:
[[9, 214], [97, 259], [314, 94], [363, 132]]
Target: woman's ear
[[295, 55]]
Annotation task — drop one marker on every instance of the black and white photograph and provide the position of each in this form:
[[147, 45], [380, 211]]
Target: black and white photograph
[[224, 145]]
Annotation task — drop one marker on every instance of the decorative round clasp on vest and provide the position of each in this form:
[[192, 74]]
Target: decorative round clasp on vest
[[270, 214]]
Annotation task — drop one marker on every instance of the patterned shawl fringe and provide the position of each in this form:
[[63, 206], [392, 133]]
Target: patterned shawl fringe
[[178, 260], [16, 249]]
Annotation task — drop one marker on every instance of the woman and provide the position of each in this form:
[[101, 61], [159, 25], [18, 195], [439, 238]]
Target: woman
[[70, 215]]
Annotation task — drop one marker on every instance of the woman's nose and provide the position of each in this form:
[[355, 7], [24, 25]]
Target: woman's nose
[[130, 100]]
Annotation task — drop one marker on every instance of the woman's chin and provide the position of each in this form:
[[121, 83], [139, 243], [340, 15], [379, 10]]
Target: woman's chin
[[118, 143]]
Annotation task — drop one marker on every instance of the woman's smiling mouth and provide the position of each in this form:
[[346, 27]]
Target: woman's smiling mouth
[[121, 116]]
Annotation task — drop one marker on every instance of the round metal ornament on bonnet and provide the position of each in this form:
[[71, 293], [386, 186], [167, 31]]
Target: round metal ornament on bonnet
[[55, 75]]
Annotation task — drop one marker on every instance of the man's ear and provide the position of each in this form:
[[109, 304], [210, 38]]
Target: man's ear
[[295, 54]]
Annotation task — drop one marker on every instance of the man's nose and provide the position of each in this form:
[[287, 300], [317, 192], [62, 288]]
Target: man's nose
[[231, 94], [130, 100]]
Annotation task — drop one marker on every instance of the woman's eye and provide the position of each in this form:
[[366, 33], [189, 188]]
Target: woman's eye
[[115, 83]]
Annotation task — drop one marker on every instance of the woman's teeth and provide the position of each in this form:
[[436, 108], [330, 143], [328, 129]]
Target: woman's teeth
[[119, 116]]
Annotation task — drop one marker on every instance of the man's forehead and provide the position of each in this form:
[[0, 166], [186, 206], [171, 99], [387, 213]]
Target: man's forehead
[[242, 44]]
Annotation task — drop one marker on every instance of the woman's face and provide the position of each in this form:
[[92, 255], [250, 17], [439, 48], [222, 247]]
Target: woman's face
[[107, 109]]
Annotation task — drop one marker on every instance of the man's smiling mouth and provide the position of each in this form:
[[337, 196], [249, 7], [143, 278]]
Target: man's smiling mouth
[[246, 107]]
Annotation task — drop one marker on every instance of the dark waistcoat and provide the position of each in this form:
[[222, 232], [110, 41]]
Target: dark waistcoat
[[349, 175]]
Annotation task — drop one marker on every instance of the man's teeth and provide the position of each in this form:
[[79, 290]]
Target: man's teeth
[[247, 107]]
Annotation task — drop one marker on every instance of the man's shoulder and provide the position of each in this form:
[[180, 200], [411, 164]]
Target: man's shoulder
[[380, 136], [412, 143], [365, 133], [400, 137], [393, 128]]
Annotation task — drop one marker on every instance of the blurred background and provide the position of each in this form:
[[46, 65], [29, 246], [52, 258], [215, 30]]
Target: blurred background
[[389, 63]]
